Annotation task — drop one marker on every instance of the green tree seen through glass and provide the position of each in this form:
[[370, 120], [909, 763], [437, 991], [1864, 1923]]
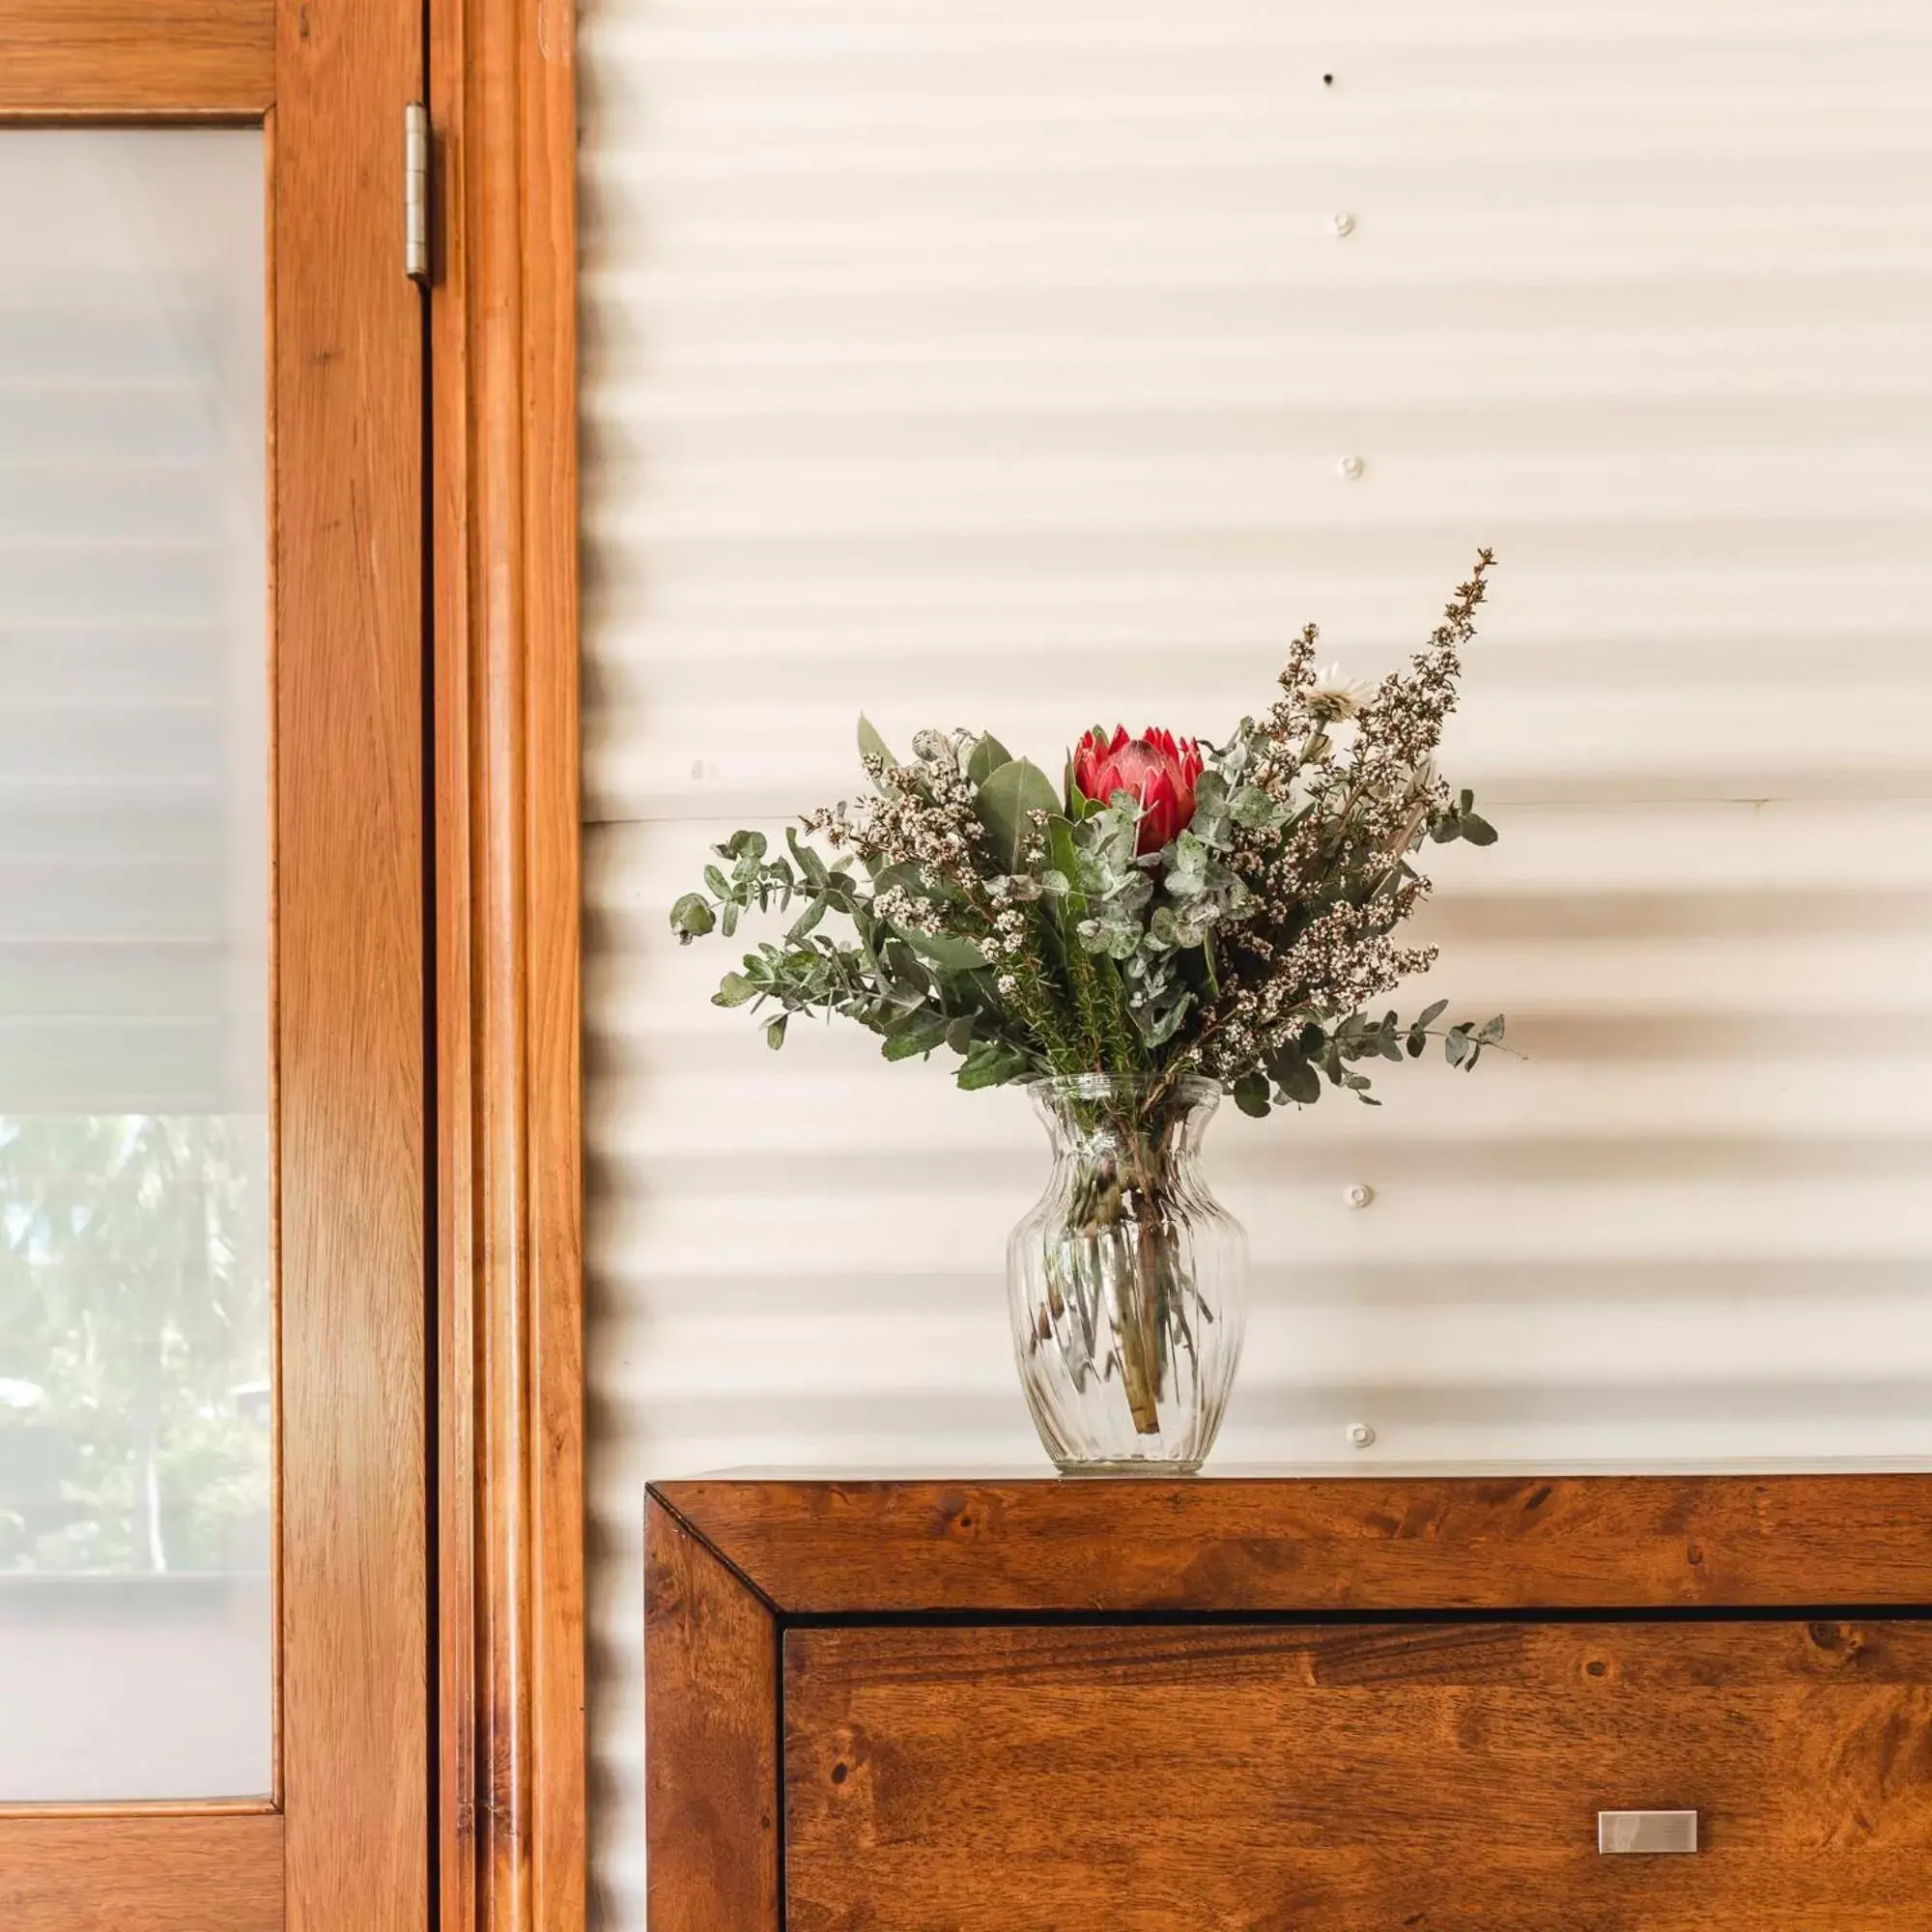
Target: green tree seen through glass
[[136, 1390]]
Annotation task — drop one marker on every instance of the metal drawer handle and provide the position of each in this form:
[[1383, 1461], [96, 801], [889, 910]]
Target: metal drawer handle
[[1646, 1830]]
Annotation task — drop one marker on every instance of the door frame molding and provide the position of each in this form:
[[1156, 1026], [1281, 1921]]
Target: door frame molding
[[511, 1778], [474, 968]]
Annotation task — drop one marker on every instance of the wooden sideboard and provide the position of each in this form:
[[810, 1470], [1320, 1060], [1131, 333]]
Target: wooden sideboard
[[1287, 1705]]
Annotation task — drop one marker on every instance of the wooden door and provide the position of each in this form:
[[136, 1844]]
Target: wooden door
[[334, 1837]]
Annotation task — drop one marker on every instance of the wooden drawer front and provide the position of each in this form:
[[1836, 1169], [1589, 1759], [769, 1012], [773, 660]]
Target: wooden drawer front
[[1418, 1777]]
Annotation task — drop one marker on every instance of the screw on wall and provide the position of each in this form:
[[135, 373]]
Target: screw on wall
[[1360, 1195], [1342, 222], [1361, 1436], [1351, 466]]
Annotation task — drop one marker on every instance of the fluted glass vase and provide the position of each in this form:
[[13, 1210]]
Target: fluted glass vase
[[1127, 1281]]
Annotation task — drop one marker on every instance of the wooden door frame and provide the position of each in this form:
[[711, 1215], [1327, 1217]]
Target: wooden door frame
[[511, 1778], [460, 948]]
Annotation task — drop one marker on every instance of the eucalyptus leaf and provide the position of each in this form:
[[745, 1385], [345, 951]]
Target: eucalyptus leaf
[[986, 757], [1300, 1082], [734, 990], [910, 979], [805, 920], [1062, 853], [910, 1041], [810, 864], [1211, 820], [1209, 970], [870, 744], [1251, 807], [691, 916], [987, 1065], [955, 955], [1187, 867], [774, 1033], [1251, 1095], [1161, 1028], [1005, 798]]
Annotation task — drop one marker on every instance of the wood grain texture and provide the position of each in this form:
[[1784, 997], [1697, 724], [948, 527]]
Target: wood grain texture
[[512, 1780], [553, 946], [347, 400], [1609, 1542], [711, 1717], [215, 1872], [137, 59], [1440, 1776]]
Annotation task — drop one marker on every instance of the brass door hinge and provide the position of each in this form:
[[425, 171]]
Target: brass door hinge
[[415, 191]]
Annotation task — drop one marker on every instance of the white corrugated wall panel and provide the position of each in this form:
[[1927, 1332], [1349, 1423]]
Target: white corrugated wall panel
[[994, 365]]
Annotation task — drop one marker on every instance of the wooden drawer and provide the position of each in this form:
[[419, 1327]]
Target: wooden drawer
[[1349, 1776]]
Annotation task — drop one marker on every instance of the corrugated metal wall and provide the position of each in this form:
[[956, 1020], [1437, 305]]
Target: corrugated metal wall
[[995, 365]]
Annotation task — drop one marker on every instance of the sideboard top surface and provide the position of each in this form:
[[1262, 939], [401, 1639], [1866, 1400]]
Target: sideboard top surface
[[877, 1545]]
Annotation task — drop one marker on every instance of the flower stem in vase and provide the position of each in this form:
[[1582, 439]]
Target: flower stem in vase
[[1128, 1248], [1141, 1332]]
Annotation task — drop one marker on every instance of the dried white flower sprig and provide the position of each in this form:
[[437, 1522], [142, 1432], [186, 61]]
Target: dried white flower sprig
[[1171, 907]]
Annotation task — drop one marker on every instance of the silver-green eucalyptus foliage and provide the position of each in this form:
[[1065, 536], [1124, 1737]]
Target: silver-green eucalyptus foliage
[[1027, 929]]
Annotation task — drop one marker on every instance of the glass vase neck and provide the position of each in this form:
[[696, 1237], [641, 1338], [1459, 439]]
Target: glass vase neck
[[1103, 1108]]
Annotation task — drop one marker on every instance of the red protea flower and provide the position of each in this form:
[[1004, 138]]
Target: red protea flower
[[1157, 768]]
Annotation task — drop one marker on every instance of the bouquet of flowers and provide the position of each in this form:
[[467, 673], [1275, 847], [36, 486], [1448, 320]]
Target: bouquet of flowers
[[1175, 919], [1170, 908]]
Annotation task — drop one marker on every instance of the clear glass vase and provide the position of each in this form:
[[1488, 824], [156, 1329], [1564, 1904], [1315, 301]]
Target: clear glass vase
[[1127, 1281]]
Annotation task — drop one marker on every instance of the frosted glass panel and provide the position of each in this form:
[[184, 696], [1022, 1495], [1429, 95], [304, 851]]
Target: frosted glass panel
[[137, 1652]]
